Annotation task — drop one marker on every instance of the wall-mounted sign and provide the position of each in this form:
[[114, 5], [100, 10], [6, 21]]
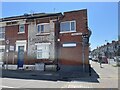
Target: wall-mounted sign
[[75, 34], [7, 41], [40, 39], [69, 45], [11, 48]]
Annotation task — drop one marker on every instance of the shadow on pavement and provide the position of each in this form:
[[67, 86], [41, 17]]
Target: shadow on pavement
[[87, 78], [51, 76]]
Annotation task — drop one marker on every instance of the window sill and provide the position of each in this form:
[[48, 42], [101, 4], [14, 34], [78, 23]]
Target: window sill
[[41, 34], [2, 39], [67, 32], [21, 32]]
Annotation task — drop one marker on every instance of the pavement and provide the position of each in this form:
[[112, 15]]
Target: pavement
[[106, 77], [43, 75]]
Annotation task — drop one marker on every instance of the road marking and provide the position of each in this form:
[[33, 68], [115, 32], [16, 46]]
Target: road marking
[[7, 87]]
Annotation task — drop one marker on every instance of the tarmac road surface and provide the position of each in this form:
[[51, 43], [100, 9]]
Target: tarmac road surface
[[106, 77]]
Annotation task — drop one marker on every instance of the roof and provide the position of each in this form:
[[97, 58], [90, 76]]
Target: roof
[[75, 11], [36, 15], [30, 16]]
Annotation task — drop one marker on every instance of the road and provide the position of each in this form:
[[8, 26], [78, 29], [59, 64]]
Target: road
[[107, 78]]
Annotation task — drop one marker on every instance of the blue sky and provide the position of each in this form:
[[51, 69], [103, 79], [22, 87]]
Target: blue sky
[[102, 16]]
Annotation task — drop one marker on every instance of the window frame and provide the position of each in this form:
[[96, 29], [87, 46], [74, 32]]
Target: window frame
[[2, 33], [41, 50], [69, 27], [43, 27], [2, 47], [19, 32]]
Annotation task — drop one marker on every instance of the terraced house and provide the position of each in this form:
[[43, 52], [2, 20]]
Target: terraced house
[[45, 40]]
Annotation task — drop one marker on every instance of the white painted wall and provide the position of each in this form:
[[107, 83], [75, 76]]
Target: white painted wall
[[33, 39], [11, 67], [21, 43], [39, 66]]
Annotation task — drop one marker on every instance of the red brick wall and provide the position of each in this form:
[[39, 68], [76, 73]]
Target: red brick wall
[[73, 56], [11, 34]]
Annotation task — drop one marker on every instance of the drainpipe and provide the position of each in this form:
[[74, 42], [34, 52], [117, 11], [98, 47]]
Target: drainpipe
[[58, 41], [7, 51], [83, 53], [13, 56], [85, 42], [57, 47]]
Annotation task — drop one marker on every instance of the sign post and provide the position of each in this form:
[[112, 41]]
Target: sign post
[[85, 42], [7, 51]]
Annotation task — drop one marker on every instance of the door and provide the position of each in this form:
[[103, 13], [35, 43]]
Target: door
[[20, 56]]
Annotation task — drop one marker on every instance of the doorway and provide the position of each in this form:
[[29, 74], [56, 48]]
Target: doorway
[[20, 56]]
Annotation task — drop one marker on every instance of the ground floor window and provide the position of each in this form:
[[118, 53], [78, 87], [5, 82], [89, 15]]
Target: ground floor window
[[43, 51], [2, 50]]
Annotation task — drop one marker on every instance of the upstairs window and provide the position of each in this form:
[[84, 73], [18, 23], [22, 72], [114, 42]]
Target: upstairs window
[[43, 28], [2, 33], [40, 28], [22, 28], [68, 26]]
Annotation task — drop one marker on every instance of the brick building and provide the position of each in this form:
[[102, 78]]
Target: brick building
[[110, 50], [16, 37], [55, 39], [70, 45], [2, 42]]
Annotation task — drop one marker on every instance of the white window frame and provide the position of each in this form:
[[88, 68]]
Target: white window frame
[[44, 28], [2, 33], [2, 47], [2, 52], [22, 31], [70, 27], [21, 43], [37, 51]]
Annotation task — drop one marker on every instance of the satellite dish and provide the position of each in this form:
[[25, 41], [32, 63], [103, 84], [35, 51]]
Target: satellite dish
[[89, 32]]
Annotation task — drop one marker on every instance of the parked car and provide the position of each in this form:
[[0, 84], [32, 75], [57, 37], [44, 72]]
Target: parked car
[[117, 59], [95, 59], [90, 58], [104, 59]]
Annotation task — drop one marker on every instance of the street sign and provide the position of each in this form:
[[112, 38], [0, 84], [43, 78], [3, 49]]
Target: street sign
[[7, 41], [75, 34], [11, 48]]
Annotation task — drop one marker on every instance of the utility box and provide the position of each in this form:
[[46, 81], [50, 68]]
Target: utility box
[[39, 66], [50, 67]]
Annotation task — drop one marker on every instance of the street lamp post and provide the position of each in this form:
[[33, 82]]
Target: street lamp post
[[7, 51], [85, 42]]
